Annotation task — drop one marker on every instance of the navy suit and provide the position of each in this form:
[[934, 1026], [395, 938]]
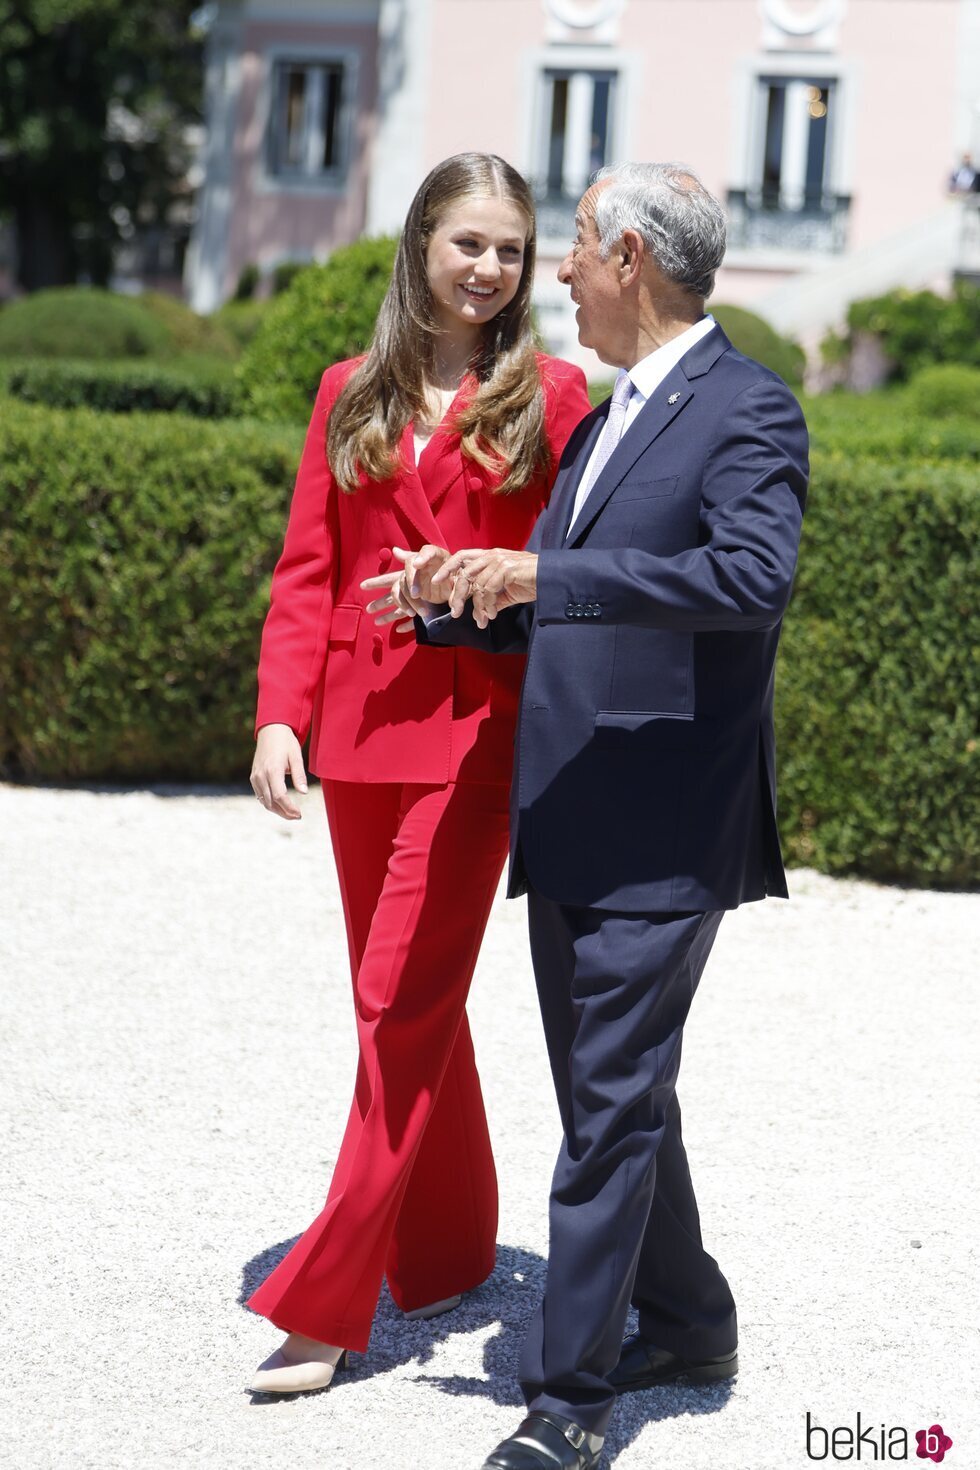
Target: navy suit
[[643, 806]]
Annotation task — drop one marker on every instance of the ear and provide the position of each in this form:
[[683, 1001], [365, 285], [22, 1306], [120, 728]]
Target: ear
[[632, 253]]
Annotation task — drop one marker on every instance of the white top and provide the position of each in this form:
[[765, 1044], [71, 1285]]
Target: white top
[[645, 375], [423, 434]]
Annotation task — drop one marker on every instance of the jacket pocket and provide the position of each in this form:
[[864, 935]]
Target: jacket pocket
[[630, 719], [645, 489], [343, 625]]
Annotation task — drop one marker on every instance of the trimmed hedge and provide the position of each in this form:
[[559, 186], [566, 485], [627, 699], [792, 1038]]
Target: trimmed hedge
[[327, 314], [202, 336], [877, 688], [754, 336], [207, 391], [888, 425], [80, 321], [947, 390], [134, 572]]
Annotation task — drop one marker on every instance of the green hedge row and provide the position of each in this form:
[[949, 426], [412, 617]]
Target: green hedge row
[[878, 688], [134, 568], [86, 322], [892, 424], [205, 390]]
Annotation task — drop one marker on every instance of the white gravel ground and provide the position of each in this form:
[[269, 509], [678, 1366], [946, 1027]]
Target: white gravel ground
[[176, 1060]]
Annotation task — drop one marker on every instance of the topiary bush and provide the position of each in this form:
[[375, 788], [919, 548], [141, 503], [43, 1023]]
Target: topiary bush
[[240, 320], [945, 391], [134, 573], [204, 390], [80, 321], [877, 684], [201, 336], [326, 315], [757, 339]]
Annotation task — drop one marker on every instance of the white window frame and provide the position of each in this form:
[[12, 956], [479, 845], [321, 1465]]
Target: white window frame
[[749, 133], [626, 68], [327, 181]]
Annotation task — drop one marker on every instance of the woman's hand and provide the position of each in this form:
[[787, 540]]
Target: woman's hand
[[405, 593], [278, 753]]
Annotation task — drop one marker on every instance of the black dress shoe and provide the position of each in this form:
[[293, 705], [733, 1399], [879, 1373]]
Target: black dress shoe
[[545, 1441], [641, 1365]]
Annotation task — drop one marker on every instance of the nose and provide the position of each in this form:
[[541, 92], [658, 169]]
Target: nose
[[487, 266], [565, 270]]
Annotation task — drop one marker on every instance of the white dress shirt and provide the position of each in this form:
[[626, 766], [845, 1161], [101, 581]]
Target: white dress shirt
[[645, 375]]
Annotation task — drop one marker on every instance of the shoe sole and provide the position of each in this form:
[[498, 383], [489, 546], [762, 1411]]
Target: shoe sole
[[704, 1373]]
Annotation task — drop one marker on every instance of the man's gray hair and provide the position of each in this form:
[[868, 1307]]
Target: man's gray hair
[[681, 224]]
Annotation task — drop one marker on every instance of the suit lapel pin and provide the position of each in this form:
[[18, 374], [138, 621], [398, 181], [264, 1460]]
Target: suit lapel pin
[[673, 398]]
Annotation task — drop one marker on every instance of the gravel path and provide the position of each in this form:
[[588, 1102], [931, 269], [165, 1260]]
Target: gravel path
[[176, 1060]]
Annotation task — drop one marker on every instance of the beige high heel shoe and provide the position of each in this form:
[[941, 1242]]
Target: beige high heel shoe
[[314, 1367]]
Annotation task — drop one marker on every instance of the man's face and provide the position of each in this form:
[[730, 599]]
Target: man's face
[[594, 282]]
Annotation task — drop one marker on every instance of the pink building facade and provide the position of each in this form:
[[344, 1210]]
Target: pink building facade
[[828, 127]]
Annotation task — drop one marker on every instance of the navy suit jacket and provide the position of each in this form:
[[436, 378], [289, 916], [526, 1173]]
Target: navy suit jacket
[[645, 774]]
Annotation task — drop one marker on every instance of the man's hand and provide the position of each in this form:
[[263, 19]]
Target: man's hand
[[277, 751], [492, 579]]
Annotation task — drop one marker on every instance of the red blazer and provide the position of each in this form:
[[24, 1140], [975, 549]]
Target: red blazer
[[379, 706]]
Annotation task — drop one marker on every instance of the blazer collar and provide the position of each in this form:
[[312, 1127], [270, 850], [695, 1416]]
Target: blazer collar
[[653, 418]]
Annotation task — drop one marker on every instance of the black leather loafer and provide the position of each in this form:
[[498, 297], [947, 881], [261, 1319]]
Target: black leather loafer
[[642, 1365], [545, 1441]]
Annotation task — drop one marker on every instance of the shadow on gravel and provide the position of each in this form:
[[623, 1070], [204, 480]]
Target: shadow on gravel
[[506, 1300]]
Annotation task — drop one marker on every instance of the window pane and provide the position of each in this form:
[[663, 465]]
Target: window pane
[[816, 153], [772, 164], [556, 133], [601, 106], [293, 120], [331, 110]]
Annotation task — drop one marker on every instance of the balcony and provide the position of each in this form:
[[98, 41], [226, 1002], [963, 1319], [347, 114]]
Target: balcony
[[556, 213], [759, 221]]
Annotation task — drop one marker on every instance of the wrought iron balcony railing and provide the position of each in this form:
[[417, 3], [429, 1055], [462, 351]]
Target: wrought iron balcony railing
[[759, 221]]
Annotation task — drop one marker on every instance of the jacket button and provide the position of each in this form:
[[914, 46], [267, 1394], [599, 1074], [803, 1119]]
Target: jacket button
[[384, 560], [378, 641]]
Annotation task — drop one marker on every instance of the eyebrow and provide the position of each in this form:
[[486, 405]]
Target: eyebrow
[[470, 230]]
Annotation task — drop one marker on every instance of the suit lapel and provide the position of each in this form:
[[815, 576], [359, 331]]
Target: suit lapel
[[410, 498], [655, 416]]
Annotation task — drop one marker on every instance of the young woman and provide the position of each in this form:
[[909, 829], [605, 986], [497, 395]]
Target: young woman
[[448, 431]]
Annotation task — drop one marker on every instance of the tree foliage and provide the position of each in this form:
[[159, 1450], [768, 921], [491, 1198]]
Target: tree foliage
[[95, 98]]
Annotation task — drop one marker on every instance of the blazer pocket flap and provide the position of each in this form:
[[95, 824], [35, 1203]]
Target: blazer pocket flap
[[646, 489], [624, 719], [343, 623]]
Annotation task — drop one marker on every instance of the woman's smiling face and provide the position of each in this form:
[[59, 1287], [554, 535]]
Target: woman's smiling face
[[474, 260]]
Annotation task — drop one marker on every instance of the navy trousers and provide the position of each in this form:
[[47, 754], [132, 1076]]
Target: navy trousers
[[615, 990]]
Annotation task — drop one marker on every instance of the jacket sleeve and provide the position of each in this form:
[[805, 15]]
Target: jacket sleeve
[[741, 575], [510, 631], [294, 638]]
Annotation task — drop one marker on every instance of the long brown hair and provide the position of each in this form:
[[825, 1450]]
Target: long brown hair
[[502, 428]]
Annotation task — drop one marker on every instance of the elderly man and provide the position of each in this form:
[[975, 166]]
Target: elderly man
[[649, 602]]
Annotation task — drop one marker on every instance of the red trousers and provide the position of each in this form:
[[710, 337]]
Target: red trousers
[[414, 1192]]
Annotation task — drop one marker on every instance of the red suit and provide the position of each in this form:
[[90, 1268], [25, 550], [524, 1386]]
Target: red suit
[[414, 747]]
